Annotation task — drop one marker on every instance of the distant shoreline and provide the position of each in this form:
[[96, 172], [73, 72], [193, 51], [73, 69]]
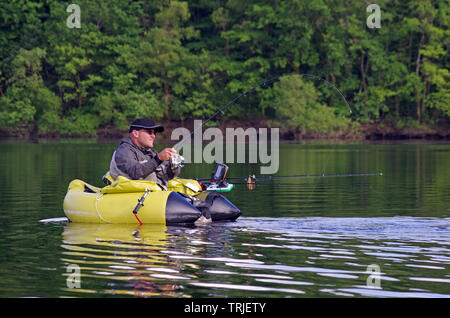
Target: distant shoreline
[[381, 131]]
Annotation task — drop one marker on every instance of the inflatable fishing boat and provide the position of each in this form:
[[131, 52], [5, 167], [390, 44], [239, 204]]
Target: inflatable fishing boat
[[137, 201]]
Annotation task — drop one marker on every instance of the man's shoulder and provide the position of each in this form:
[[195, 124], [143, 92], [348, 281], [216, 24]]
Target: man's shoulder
[[126, 141], [126, 146]]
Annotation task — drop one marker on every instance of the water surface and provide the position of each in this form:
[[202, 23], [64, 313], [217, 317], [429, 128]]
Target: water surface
[[375, 236]]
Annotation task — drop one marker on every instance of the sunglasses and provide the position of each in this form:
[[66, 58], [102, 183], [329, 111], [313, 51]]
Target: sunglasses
[[149, 131]]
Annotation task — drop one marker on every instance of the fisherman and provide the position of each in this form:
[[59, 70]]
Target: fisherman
[[136, 159]]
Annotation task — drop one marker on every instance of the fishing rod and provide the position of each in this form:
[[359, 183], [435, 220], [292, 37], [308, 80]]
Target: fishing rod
[[303, 185], [219, 180], [253, 177], [178, 160], [251, 181], [222, 109]]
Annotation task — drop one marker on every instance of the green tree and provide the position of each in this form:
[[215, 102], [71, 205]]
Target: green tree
[[298, 105], [184, 59], [161, 61], [28, 104]]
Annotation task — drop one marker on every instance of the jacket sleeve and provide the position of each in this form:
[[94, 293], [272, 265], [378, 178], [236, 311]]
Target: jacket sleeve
[[173, 173], [167, 173], [126, 161]]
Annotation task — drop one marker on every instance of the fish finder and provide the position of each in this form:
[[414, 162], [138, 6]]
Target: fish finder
[[219, 174], [218, 182]]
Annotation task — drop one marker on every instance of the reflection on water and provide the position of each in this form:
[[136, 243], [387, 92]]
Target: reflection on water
[[264, 257], [125, 259], [309, 237]]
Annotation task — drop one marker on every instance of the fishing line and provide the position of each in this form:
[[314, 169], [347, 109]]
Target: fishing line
[[263, 84]]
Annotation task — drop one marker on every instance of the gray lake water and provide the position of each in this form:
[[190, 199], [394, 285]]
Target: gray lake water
[[356, 236]]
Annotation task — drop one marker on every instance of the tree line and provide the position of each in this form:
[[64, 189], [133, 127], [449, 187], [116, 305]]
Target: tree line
[[180, 60]]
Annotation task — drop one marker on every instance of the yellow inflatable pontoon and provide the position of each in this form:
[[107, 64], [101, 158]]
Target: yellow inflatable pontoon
[[138, 201]]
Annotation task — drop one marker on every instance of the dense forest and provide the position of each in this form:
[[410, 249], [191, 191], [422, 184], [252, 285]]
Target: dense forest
[[175, 61]]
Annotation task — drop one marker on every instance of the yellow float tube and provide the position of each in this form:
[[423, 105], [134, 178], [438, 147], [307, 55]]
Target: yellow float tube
[[115, 203], [184, 202]]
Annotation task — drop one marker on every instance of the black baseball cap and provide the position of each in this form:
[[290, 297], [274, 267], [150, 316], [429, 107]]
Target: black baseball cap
[[144, 123]]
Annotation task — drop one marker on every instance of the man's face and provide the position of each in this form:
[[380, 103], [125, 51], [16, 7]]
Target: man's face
[[144, 138]]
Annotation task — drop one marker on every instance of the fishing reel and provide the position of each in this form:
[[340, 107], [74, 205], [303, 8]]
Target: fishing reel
[[176, 161]]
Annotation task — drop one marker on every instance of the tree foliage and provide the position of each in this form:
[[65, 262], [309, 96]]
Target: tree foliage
[[297, 104], [178, 60]]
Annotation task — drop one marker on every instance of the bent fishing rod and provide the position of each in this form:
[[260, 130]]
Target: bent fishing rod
[[179, 160]]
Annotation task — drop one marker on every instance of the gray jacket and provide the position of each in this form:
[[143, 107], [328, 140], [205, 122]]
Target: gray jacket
[[137, 163]]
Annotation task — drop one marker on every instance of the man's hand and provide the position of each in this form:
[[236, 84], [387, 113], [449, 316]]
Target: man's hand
[[166, 154]]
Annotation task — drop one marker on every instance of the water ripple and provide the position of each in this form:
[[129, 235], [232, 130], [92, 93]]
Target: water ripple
[[265, 257]]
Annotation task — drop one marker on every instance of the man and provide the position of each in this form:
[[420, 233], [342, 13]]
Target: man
[[136, 159]]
